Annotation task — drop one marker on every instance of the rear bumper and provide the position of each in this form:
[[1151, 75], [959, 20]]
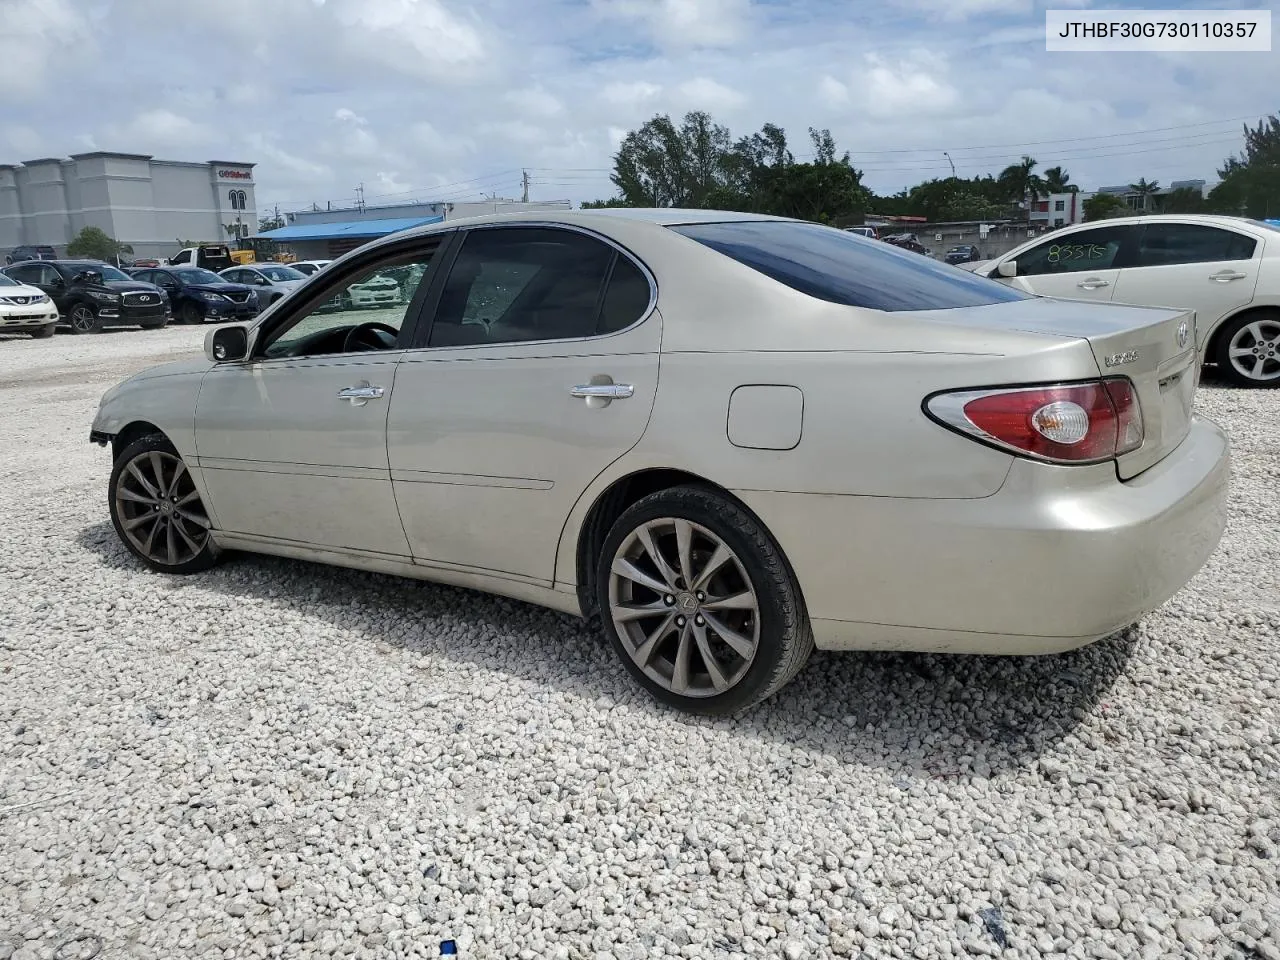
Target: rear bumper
[[1057, 558]]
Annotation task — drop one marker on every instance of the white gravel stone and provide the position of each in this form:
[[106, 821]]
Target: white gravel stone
[[283, 759]]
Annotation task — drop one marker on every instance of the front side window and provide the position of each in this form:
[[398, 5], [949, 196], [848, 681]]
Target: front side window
[[840, 267], [510, 285], [1164, 244], [364, 312], [26, 273], [183, 257], [1102, 248]]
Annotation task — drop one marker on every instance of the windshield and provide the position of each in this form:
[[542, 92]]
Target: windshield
[[842, 267], [111, 273], [281, 273], [198, 276], [7, 281]]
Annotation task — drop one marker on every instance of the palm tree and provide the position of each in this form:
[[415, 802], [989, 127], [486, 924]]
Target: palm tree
[[1021, 183], [1057, 180], [1144, 188]]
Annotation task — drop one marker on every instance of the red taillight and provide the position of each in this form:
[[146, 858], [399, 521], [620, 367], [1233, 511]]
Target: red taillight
[[1064, 423]]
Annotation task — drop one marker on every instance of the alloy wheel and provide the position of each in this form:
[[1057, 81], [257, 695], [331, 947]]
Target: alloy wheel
[[684, 607], [1254, 351], [160, 510], [82, 318]]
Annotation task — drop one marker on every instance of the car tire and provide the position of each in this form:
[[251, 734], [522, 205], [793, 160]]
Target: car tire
[[1248, 349], [83, 319], [190, 313], [43, 333], [709, 641], [156, 508]]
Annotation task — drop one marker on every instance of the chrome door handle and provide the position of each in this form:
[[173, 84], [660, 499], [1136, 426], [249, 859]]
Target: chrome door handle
[[603, 391], [361, 394], [1093, 284], [1226, 276]]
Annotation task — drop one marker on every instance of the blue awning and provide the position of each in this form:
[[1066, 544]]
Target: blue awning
[[347, 228]]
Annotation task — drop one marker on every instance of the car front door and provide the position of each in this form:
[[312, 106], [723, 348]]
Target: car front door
[[538, 370], [1080, 265], [292, 442], [1192, 266]]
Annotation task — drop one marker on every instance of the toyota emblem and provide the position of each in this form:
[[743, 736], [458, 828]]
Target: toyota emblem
[[1184, 333]]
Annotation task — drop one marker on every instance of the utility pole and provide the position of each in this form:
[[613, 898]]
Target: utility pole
[[524, 181], [950, 161], [360, 197]]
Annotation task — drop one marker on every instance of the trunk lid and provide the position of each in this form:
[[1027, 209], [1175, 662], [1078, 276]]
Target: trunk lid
[[1153, 346]]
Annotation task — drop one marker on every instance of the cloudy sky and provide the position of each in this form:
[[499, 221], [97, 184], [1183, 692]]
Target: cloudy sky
[[450, 99]]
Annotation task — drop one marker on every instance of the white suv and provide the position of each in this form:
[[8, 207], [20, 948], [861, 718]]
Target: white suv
[[25, 309], [1227, 269]]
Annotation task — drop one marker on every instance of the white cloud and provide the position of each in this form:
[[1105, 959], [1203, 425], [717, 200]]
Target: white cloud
[[38, 35], [703, 93], [535, 102], [346, 115], [157, 131], [832, 92], [632, 94], [905, 88], [685, 23], [417, 37], [22, 141]]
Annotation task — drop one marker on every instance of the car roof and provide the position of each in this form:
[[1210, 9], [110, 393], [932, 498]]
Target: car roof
[[1208, 219]]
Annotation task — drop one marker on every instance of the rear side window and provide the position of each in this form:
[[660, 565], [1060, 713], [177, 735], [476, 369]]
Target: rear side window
[[625, 299], [1163, 244], [840, 267]]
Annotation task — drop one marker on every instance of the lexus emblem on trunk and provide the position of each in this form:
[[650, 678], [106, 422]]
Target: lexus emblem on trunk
[[1184, 333]]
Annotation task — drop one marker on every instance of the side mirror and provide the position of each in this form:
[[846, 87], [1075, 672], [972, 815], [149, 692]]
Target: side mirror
[[1008, 268], [227, 344]]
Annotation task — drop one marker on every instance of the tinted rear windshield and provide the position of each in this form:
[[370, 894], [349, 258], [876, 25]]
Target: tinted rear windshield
[[842, 267]]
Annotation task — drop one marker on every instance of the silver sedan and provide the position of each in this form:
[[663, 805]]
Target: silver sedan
[[735, 437]]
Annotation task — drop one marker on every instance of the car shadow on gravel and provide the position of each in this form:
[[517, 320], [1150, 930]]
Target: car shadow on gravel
[[923, 715]]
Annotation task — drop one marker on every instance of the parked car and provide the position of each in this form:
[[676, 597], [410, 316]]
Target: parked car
[[91, 295], [26, 309], [145, 262], [201, 296], [907, 241], [210, 256], [310, 266], [378, 291], [801, 473], [1226, 269], [869, 232], [964, 253], [38, 252], [272, 281]]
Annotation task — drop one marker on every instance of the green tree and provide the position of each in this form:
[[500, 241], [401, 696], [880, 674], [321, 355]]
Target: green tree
[[269, 223], [92, 243], [1251, 181], [1021, 183], [661, 165], [1144, 188], [1182, 200], [1057, 180], [1103, 205]]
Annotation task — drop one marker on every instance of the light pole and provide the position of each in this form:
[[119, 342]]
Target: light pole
[[950, 161]]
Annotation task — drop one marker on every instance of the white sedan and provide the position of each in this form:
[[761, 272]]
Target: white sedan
[[272, 281], [736, 437], [1226, 269], [25, 309]]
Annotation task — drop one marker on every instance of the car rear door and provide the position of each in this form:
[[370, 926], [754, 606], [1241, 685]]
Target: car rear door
[[1212, 270], [539, 369], [1080, 265]]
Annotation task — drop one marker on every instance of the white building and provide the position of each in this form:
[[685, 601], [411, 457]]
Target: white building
[[147, 203]]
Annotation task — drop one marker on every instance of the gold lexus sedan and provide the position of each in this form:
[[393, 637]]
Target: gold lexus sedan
[[734, 437]]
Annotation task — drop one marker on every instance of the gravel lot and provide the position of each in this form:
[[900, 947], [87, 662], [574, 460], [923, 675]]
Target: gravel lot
[[277, 759]]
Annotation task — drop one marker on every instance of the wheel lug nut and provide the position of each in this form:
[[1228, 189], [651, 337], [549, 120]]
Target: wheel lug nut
[[668, 599], [699, 621], [701, 596], [679, 621]]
